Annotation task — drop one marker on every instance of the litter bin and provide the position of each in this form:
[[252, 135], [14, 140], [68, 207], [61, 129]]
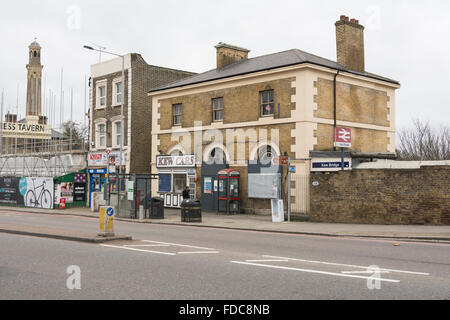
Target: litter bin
[[191, 211], [156, 208]]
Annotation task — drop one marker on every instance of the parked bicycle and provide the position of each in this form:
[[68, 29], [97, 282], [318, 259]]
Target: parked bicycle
[[44, 200]]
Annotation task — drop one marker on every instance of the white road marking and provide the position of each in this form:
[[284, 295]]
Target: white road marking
[[198, 252], [178, 245], [364, 272], [134, 247], [313, 271], [347, 265], [146, 245], [266, 260], [140, 250]]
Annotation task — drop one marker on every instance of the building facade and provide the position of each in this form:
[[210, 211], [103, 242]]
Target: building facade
[[106, 94], [248, 111]]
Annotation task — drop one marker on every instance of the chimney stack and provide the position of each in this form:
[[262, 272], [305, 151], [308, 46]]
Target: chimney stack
[[228, 54], [350, 44]]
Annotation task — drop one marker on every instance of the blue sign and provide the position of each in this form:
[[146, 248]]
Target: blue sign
[[97, 171], [330, 165], [110, 212]]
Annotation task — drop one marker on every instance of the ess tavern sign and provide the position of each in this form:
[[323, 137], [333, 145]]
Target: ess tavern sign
[[175, 161], [343, 137]]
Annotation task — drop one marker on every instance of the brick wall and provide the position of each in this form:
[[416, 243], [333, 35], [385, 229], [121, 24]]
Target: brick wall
[[418, 196]]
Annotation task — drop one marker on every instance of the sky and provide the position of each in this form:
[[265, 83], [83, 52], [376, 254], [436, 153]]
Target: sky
[[405, 40]]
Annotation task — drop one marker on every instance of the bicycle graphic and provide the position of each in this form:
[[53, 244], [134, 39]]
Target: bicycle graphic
[[43, 201]]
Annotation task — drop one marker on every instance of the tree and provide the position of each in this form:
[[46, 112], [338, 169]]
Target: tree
[[79, 135], [423, 142]]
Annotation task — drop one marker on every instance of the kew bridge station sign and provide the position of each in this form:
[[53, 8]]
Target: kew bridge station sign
[[30, 129]]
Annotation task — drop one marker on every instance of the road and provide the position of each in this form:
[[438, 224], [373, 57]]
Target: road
[[177, 262]]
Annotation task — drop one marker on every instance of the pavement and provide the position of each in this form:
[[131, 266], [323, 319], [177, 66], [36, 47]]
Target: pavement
[[257, 223]]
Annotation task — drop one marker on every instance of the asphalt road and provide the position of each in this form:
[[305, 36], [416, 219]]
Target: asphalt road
[[176, 262]]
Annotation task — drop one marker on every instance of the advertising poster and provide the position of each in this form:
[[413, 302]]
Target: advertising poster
[[37, 192], [9, 191], [66, 190], [79, 192], [208, 186]]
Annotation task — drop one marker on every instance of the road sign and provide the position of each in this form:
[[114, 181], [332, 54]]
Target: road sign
[[280, 161], [106, 221], [343, 137]]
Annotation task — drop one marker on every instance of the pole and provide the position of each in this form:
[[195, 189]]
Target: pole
[[343, 159], [71, 117], [289, 190], [121, 134], [1, 121]]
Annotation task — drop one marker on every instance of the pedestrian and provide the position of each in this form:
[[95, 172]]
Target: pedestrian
[[186, 193]]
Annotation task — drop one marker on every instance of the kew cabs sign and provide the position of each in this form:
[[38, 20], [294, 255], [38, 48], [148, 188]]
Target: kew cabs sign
[[343, 137]]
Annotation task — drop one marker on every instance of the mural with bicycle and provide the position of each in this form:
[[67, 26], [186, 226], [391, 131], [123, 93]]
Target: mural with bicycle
[[34, 192]]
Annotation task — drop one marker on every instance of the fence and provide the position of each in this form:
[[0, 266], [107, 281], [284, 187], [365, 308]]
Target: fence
[[129, 193]]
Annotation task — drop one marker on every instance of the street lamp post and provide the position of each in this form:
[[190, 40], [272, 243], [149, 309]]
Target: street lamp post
[[121, 114]]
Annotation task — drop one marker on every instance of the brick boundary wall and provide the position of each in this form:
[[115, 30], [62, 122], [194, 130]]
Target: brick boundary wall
[[387, 196]]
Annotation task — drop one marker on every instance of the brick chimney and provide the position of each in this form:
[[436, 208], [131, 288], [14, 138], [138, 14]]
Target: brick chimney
[[228, 54], [350, 44]]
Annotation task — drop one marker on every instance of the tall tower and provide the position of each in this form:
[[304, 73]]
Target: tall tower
[[34, 67]]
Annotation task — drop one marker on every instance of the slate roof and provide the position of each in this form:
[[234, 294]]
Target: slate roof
[[267, 62]]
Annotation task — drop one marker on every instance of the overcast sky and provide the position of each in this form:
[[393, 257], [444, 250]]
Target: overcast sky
[[405, 40]]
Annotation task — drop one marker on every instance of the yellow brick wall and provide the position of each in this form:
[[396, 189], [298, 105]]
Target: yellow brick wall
[[241, 104], [353, 103], [363, 140]]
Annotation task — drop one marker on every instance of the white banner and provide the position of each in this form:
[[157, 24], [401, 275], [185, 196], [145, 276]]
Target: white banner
[[37, 192]]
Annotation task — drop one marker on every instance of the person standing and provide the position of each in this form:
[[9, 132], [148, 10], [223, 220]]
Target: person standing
[[186, 193]]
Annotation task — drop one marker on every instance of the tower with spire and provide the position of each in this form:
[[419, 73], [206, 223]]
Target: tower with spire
[[34, 85]]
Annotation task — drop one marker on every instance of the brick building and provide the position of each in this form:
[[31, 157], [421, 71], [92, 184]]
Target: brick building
[[106, 96], [250, 110]]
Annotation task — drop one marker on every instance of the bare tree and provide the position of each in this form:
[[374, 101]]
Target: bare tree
[[79, 134], [423, 142]]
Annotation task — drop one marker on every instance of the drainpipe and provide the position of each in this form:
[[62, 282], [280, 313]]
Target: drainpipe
[[334, 104]]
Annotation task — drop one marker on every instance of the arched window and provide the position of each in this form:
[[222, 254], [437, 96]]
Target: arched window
[[176, 153], [217, 156], [35, 54], [266, 154]]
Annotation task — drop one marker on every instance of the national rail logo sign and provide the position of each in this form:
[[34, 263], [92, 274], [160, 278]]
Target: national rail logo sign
[[343, 137]]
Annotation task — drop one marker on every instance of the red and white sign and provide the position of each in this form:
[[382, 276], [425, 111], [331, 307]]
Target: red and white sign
[[343, 137], [280, 161]]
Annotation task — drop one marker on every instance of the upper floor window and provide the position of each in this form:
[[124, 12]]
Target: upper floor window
[[117, 133], [101, 95], [267, 103], [117, 92], [217, 105], [177, 114], [101, 135]]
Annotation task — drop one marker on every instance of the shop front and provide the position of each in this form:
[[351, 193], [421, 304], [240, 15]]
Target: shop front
[[98, 174], [175, 173]]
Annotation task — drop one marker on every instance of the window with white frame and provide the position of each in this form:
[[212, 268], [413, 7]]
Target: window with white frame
[[217, 106], [267, 103], [117, 133], [177, 114], [117, 92], [101, 135], [101, 95]]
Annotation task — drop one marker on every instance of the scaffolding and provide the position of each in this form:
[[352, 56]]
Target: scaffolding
[[42, 158]]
